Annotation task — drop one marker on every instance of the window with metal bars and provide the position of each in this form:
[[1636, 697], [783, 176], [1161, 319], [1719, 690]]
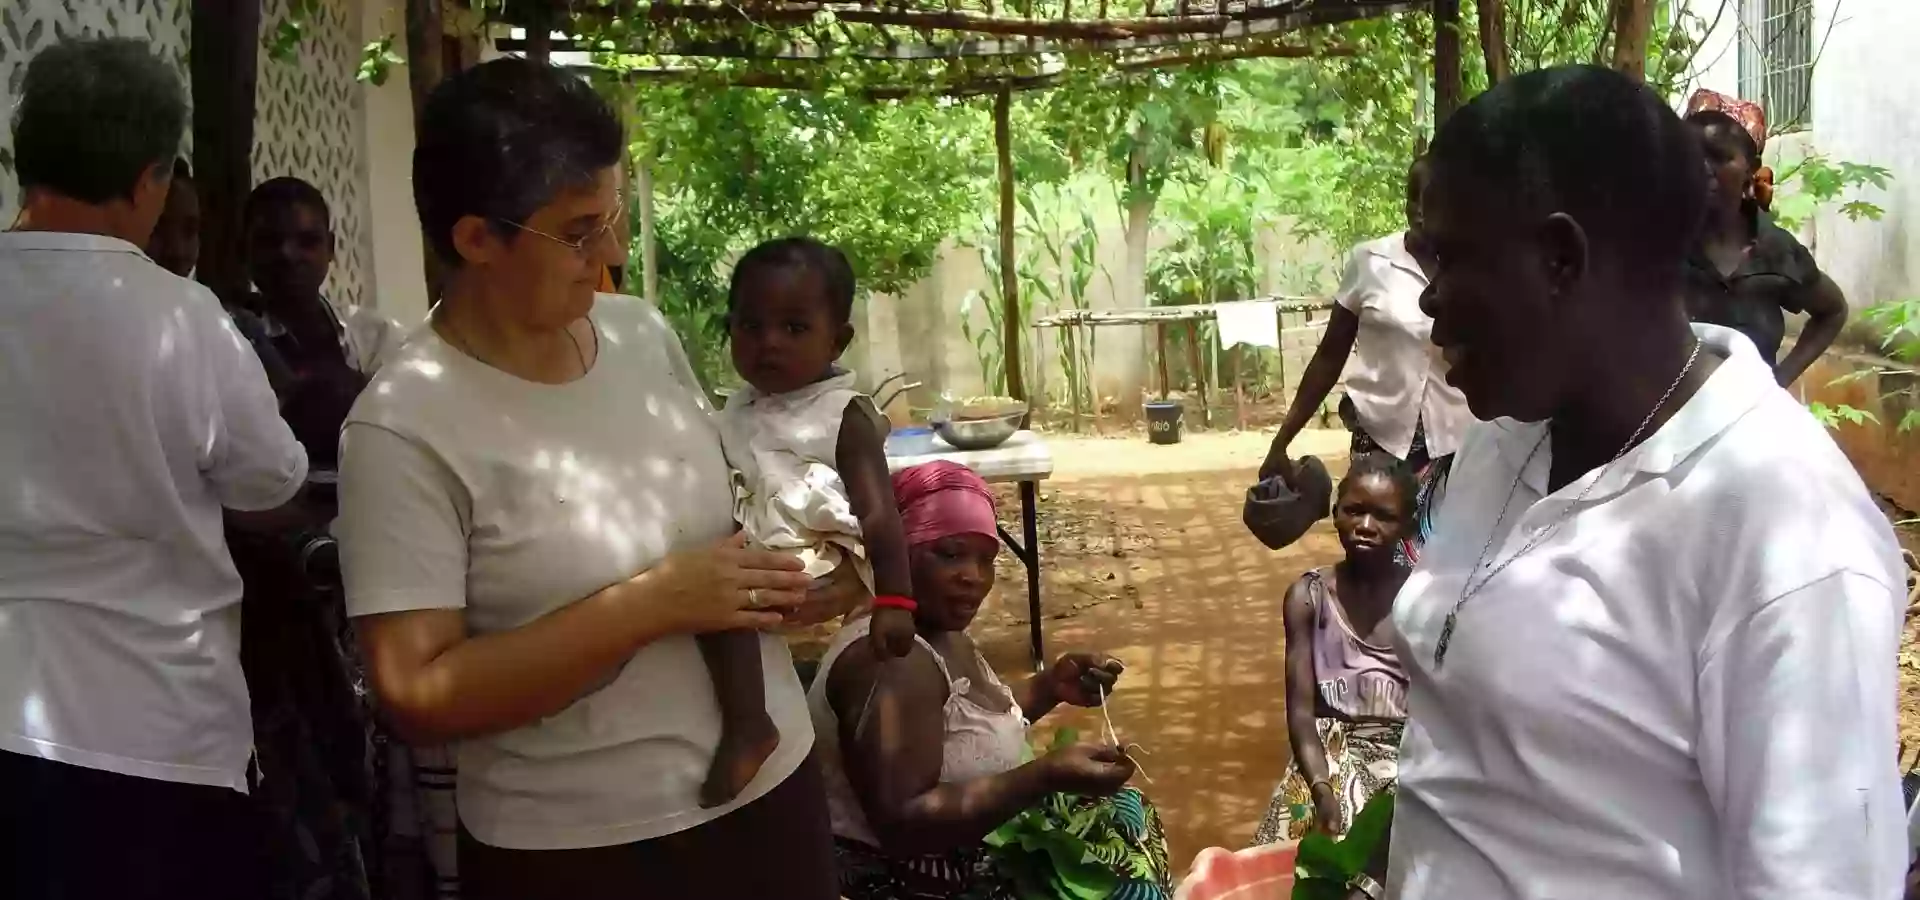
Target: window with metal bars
[[1776, 60]]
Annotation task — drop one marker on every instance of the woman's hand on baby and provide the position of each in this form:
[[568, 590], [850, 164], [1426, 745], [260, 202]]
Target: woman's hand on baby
[[1092, 770], [840, 592], [726, 586], [1083, 679]]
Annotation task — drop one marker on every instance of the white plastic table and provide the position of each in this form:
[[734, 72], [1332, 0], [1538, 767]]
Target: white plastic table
[[1024, 459]]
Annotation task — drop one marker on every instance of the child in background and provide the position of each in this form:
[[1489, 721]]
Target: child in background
[[810, 456]]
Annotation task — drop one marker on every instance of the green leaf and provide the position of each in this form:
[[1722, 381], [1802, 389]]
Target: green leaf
[[1857, 210], [1320, 855], [1317, 888], [1857, 416], [1064, 738], [1368, 831]]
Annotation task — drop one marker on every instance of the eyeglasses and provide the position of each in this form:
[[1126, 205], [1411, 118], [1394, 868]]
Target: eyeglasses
[[580, 246]]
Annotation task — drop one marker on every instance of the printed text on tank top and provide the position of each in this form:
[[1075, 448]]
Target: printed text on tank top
[[1359, 679]]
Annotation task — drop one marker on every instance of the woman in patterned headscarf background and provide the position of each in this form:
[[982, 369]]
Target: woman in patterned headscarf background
[[1746, 272]]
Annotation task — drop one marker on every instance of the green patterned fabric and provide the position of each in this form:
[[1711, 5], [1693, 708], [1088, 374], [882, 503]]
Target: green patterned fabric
[[1083, 848], [1063, 848]]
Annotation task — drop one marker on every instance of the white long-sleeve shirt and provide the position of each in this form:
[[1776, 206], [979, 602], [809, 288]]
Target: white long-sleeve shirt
[[1686, 691]]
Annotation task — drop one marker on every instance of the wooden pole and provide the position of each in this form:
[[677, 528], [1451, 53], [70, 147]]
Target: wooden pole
[[1011, 321], [1493, 39], [1280, 370], [1071, 333], [426, 36], [1160, 338], [223, 67], [540, 35], [1199, 373], [1446, 59], [1634, 19], [1239, 388]]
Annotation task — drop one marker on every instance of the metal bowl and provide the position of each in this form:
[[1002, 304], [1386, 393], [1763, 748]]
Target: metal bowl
[[980, 434]]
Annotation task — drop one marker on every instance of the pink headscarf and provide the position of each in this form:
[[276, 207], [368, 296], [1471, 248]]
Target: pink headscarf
[[942, 499]]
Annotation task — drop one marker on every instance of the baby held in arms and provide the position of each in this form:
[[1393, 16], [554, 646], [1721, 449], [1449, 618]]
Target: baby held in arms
[[809, 453]]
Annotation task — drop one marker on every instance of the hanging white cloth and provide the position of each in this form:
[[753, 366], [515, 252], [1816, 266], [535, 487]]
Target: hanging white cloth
[[1251, 322]]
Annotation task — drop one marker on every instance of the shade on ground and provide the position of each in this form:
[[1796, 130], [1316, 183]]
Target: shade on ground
[[1191, 604]]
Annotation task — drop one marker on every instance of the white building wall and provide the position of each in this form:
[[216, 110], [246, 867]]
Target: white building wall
[[309, 122], [1866, 109]]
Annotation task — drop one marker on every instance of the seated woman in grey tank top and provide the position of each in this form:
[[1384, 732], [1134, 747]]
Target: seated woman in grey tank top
[[1346, 691]]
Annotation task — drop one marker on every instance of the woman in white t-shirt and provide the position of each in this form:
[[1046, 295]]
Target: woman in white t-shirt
[[535, 520]]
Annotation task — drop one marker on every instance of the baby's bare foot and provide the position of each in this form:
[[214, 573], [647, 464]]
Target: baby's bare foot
[[744, 748]]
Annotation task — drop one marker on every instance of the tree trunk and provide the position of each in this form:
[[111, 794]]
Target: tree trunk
[[1634, 21], [1446, 60], [223, 62], [426, 38], [1011, 321], [1139, 237], [1493, 39], [540, 35]]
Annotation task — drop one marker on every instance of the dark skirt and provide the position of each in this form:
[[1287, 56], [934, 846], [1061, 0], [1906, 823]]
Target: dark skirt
[[777, 846]]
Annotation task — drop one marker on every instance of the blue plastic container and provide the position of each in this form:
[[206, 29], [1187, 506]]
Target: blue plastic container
[[911, 441]]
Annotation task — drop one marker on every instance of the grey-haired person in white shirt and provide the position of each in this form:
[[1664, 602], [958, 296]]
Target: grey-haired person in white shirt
[[134, 413], [1651, 644]]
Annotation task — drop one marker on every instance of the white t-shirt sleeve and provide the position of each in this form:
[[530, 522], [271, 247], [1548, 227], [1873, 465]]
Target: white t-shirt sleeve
[[1797, 744], [373, 338], [254, 462], [1351, 295], [403, 539]]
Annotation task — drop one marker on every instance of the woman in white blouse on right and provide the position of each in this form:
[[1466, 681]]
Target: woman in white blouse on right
[[1397, 397]]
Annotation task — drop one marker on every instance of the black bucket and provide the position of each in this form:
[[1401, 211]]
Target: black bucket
[[1163, 421]]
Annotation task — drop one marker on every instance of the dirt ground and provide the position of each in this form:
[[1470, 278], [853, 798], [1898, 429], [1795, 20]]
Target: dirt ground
[[1144, 558]]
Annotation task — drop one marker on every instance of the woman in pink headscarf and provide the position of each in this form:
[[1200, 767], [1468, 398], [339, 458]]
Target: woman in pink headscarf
[[926, 755]]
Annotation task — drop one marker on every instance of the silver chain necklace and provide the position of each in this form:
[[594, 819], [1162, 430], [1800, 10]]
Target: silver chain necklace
[[1472, 588]]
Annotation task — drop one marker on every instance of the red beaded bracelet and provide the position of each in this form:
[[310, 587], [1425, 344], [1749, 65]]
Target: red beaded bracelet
[[895, 602]]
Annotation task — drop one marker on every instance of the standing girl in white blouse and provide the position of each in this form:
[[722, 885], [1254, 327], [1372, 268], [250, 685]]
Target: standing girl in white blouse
[[1397, 397]]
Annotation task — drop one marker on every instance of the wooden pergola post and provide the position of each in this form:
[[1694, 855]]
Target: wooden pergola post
[[1446, 60], [1011, 322], [426, 54], [223, 66], [1493, 39], [1633, 23]]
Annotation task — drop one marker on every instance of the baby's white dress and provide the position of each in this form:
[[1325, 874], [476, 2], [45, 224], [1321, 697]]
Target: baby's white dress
[[788, 494]]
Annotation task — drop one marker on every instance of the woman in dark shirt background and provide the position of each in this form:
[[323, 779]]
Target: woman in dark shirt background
[[1746, 272]]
